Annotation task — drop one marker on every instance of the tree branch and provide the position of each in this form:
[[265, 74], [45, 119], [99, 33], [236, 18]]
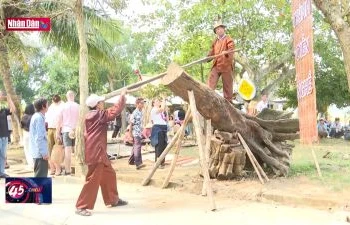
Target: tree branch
[[244, 62], [275, 64], [285, 73], [346, 10]]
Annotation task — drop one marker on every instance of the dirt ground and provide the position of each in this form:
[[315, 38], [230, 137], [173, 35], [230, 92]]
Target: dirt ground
[[150, 205], [293, 191]]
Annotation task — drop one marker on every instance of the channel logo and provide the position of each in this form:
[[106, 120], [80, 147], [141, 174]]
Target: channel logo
[[28, 24], [28, 190]]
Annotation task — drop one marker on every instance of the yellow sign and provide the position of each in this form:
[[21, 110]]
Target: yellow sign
[[246, 89]]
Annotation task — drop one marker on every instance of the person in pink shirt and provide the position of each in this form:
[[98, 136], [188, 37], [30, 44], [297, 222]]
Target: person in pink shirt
[[67, 122]]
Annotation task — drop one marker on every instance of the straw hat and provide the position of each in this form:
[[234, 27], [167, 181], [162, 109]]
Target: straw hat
[[217, 24]]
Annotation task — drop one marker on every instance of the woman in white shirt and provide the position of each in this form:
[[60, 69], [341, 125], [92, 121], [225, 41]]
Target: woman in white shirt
[[159, 129], [25, 122]]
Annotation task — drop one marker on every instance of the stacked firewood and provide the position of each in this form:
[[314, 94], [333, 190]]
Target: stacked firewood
[[227, 156]]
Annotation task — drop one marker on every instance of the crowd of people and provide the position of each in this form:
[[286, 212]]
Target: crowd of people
[[328, 129]]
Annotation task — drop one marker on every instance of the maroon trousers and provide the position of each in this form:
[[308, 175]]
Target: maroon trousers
[[227, 82], [98, 175]]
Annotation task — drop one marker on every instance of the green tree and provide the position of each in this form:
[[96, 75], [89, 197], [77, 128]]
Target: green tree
[[337, 14], [262, 29], [330, 75], [63, 34], [61, 74]]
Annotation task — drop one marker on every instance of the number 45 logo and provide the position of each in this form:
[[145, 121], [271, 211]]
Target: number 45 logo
[[16, 190]]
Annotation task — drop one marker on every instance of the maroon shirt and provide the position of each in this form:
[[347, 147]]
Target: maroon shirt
[[96, 132]]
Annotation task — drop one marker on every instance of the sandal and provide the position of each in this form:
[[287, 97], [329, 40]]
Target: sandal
[[58, 174], [83, 212], [120, 203]]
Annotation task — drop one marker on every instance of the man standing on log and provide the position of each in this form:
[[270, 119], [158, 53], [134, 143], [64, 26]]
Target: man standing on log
[[222, 65]]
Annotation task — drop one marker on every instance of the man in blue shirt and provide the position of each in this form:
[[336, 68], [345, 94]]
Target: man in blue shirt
[[38, 139], [322, 129]]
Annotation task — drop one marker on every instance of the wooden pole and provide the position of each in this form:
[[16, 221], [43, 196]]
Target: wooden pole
[[250, 157], [204, 166], [207, 150], [159, 160], [207, 140], [135, 86], [316, 163], [256, 161], [177, 148]]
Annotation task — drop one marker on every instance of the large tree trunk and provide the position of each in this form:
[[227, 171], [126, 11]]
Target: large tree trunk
[[264, 137], [80, 167], [10, 91], [337, 14]]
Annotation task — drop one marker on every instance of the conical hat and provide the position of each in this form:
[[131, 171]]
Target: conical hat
[[218, 24]]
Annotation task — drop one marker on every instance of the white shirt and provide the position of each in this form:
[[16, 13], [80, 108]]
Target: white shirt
[[52, 114], [176, 115], [156, 117], [9, 122], [261, 105]]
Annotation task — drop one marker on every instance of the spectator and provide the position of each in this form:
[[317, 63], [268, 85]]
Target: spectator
[[4, 134], [51, 118], [128, 138], [347, 132], [262, 104], [38, 139], [66, 125], [336, 129], [117, 126], [9, 125], [136, 132], [159, 138], [322, 129], [25, 123]]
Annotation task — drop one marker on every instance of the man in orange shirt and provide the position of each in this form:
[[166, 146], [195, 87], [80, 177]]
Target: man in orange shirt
[[222, 65]]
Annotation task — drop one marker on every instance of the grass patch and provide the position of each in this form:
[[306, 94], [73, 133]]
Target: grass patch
[[335, 167], [333, 156]]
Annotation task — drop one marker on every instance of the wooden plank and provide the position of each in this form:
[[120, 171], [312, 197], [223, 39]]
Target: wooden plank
[[160, 159], [205, 170], [177, 148]]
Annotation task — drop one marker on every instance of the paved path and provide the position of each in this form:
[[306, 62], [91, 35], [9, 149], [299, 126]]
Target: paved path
[[149, 205]]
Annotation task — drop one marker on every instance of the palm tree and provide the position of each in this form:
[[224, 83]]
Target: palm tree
[[89, 32]]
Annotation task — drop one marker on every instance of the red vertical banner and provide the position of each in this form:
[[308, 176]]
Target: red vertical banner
[[305, 72]]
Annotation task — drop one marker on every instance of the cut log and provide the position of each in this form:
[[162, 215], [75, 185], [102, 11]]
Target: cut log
[[226, 160], [262, 137]]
